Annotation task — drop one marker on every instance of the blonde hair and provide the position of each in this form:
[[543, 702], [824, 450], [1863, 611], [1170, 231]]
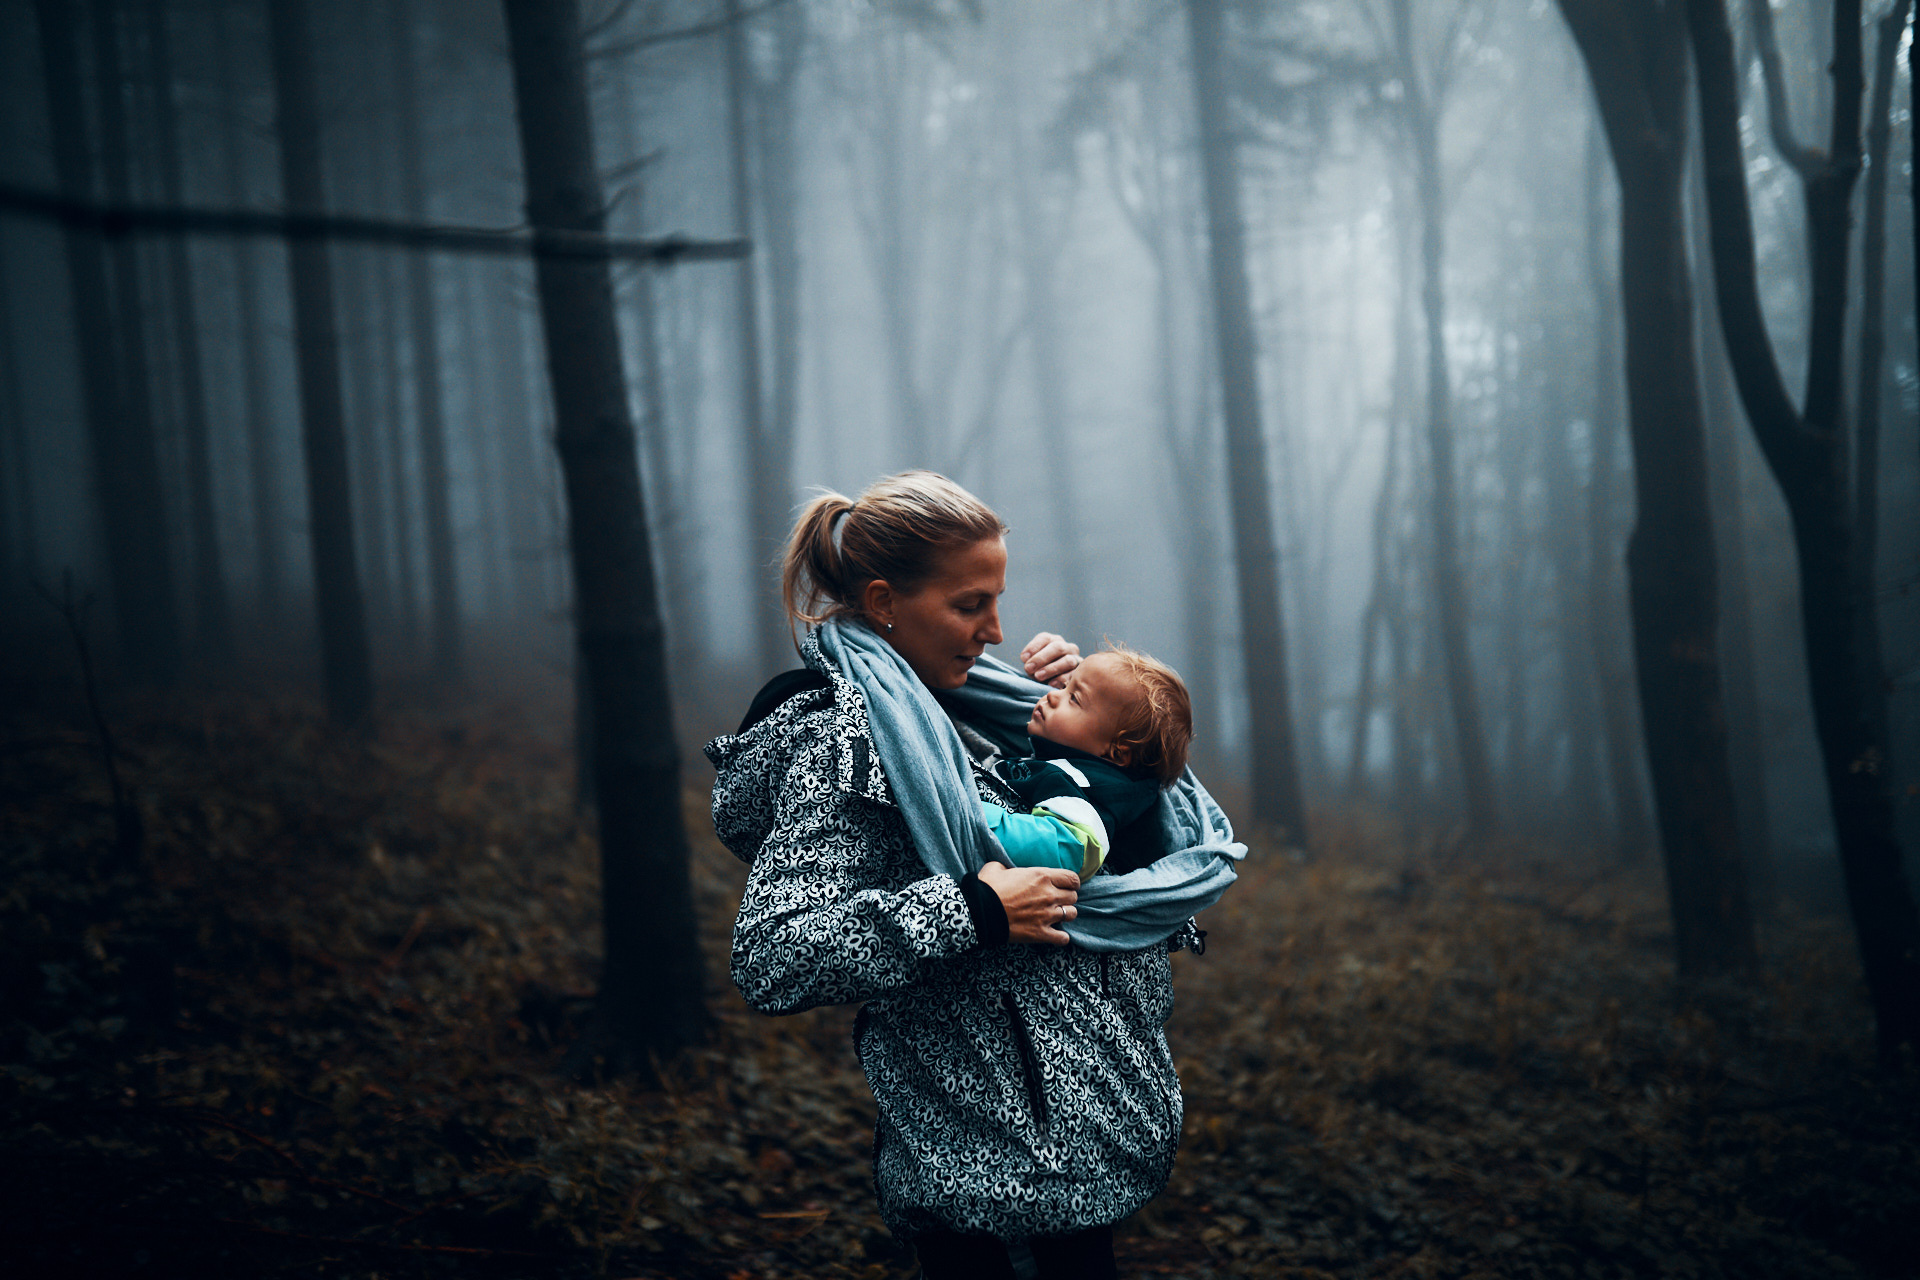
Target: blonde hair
[[896, 531], [1158, 726]]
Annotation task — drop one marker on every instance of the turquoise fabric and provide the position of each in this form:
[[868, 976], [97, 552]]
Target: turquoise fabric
[[932, 780], [1035, 839]]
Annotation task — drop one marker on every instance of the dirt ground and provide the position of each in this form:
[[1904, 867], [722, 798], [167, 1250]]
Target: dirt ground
[[314, 1032]]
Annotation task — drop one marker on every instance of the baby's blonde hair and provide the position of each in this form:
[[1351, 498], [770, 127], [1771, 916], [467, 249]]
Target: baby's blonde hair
[[1157, 729]]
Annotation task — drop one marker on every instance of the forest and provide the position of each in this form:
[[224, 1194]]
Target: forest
[[1504, 414]]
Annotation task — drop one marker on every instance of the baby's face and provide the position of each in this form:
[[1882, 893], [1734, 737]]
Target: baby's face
[[1088, 713]]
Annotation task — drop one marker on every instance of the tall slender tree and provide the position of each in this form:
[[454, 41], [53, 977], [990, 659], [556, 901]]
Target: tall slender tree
[[1277, 796], [1805, 447], [213, 616], [776, 103], [769, 456], [125, 461], [1636, 57], [346, 665], [256, 400], [1870, 390], [394, 445], [1746, 745], [1633, 826], [1041, 223], [661, 481], [18, 551], [1420, 117], [1372, 615], [1150, 167], [423, 341], [1746, 740], [651, 995]]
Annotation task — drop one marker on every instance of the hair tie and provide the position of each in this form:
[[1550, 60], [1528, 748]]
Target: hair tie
[[839, 523]]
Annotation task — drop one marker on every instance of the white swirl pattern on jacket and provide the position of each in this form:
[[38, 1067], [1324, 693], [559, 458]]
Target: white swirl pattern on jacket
[[1022, 1090]]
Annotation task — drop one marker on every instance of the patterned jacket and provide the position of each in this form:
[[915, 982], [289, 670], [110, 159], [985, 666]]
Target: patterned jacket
[[1022, 1089]]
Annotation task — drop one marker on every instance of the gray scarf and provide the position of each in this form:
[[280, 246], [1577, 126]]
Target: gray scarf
[[932, 780]]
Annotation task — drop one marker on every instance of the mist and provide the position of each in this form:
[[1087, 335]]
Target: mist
[[1378, 502]]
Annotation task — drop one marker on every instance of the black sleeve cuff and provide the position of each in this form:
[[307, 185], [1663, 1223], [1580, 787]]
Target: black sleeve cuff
[[983, 904]]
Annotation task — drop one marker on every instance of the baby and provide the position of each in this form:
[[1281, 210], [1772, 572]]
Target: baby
[[1103, 749]]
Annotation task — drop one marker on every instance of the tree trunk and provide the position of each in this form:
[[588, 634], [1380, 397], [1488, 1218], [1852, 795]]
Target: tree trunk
[[404, 620], [1746, 737], [1871, 392], [1633, 826], [1373, 616], [130, 291], [661, 481], [651, 990], [527, 541], [1641, 87], [769, 460], [345, 664], [366, 414], [1040, 235], [212, 614], [1806, 451], [18, 551], [1449, 581], [1522, 766], [262, 473], [1580, 813], [778, 102], [895, 254], [1155, 205], [125, 461], [490, 483], [1276, 770], [443, 582]]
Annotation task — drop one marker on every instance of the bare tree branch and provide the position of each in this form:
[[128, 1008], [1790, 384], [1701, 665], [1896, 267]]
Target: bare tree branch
[[125, 220], [1806, 161], [712, 26]]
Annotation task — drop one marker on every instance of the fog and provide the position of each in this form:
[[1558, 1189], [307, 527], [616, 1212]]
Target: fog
[[979, 244]]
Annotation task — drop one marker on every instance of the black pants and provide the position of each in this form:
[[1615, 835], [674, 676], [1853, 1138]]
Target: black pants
[[1084, 1255]]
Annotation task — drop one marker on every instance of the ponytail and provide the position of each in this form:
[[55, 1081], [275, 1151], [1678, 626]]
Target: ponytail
[[811, 573]]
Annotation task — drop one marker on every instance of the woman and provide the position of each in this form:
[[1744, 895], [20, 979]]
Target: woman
[[1027, 1100]]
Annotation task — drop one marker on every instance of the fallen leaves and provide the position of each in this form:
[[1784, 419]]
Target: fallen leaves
[[317, 1037]]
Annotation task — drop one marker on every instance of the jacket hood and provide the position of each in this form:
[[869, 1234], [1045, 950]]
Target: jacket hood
[[746, 788]]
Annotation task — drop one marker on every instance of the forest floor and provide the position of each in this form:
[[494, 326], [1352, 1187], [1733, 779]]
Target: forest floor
[[315, 1032]]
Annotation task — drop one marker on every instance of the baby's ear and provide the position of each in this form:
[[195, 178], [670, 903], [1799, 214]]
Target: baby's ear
[[1121, 753]]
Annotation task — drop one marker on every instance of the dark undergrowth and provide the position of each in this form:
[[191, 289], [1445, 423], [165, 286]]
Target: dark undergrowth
[[315, 1033]]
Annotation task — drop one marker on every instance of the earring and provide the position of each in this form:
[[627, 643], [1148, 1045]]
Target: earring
[[889, 628]]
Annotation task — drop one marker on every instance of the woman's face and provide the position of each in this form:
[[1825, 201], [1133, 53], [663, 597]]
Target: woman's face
[[946, 622]]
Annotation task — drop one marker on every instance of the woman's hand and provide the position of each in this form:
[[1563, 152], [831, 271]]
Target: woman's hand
[[1037, 900], [1048, 658]]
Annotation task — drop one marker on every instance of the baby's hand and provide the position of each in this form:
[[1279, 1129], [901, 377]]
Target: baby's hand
[[1048, 658]]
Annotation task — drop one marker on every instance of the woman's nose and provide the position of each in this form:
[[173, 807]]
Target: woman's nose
[[990, 630]]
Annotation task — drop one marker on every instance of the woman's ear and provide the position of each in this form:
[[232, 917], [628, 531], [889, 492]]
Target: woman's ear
[[876, 602]]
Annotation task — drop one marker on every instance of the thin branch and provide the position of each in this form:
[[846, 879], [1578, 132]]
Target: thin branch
[[125, 220], [699, 30], [129, 836], [607, 22], [1770, 409], [1806, 161]]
